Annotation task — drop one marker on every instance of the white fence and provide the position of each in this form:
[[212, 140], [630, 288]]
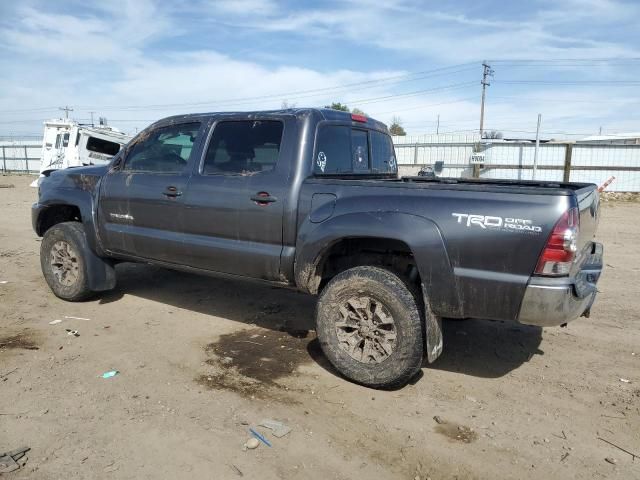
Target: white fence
[[20, 156], [592, 163]]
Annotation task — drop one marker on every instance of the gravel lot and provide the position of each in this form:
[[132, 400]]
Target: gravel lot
[[202, 360]]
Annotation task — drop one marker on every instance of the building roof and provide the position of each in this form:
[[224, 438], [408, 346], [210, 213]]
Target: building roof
[[610, 137]]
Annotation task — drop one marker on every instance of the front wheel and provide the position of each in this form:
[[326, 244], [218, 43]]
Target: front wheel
[[370, 328], [63, 263]]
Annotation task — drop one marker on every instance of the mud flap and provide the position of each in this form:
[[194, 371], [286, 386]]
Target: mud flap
[[433, 330], [101, 273]]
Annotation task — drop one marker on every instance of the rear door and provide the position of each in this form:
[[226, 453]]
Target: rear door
[[142, 199], [235, 200]]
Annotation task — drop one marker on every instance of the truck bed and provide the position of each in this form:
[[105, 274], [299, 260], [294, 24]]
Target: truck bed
[[491, 266]]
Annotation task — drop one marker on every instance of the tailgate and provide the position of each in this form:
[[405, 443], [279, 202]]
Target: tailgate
[[589, 207]]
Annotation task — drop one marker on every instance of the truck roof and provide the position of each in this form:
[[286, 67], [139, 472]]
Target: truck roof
[[319, 113]]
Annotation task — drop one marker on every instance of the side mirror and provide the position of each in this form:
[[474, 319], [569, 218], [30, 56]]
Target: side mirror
[[116, 162], [438, 166]]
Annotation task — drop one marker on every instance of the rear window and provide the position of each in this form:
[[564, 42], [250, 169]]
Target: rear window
[[99, 145], [342, 149]]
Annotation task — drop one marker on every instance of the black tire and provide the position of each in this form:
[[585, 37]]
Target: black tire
[[63, 263], [384, 288]]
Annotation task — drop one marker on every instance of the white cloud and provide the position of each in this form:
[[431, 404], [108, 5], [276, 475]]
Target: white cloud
[[102, 57], [245, 7], [118, 33], [427, 31]]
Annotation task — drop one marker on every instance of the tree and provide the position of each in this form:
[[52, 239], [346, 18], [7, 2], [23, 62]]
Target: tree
[[357, 111], [286, 104], [396, 127], [338, 106], [492, 134]]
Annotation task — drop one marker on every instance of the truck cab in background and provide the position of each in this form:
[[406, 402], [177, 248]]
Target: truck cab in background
[[67, 143]]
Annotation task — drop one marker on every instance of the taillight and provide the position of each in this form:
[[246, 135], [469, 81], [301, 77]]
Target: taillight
[[561, 247], [358, 118]]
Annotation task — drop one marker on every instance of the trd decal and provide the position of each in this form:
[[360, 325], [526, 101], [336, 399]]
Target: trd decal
[[502, 223]]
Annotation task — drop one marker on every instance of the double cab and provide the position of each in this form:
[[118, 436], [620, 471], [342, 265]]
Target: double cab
[[312, 199]]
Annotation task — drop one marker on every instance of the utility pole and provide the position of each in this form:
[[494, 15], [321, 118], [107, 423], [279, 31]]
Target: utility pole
[[535, 153], [92, 117], [438, 125], [487, 72], [66, 110]]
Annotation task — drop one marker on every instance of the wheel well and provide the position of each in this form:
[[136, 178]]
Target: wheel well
[[394, 255], [57, 214]]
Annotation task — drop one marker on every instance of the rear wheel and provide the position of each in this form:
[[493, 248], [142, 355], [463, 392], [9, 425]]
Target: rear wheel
[[63, 263], [370, 328]]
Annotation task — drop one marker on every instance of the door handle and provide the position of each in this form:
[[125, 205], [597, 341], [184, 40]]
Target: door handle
[[172, 192], [263, 198]]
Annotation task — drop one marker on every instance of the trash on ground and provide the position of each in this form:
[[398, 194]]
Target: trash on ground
[[624, 380], [611, 460], [55, 322], [252, 443], [439, 420], [7, 185], [5, 375], [110, 373], [77, 318], [278, 429], [74, 333], [633, 455], [3, 282], [260, 437], [13, 460]]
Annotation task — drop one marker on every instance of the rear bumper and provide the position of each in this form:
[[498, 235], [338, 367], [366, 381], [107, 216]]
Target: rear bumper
[[554, 301]]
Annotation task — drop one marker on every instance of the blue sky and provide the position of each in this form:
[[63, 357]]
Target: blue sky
[[576, 62]]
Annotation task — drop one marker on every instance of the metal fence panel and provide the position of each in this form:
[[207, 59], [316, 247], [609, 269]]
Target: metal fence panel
[[593, 163], [20, 156]]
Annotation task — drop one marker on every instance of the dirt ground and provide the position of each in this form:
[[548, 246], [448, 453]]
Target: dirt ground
[[202, 360]]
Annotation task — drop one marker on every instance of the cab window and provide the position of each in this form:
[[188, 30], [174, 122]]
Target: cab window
[[383, 156], [243, 147], [346, 150], [164, 150]]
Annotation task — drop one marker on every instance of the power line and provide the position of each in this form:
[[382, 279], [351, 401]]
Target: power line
[[564, 60], [454, 86], [364, 101], [373, 83], [562, 100], [301, 93], [569, 82], [421, 106]]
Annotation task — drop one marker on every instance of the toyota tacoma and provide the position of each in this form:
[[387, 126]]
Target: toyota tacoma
[[312, 199]]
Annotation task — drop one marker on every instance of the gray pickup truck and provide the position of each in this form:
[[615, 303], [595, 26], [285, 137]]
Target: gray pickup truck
[[311, 199]]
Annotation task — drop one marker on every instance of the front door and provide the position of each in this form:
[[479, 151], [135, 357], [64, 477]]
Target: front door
[[142, 198], [235, 200]]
